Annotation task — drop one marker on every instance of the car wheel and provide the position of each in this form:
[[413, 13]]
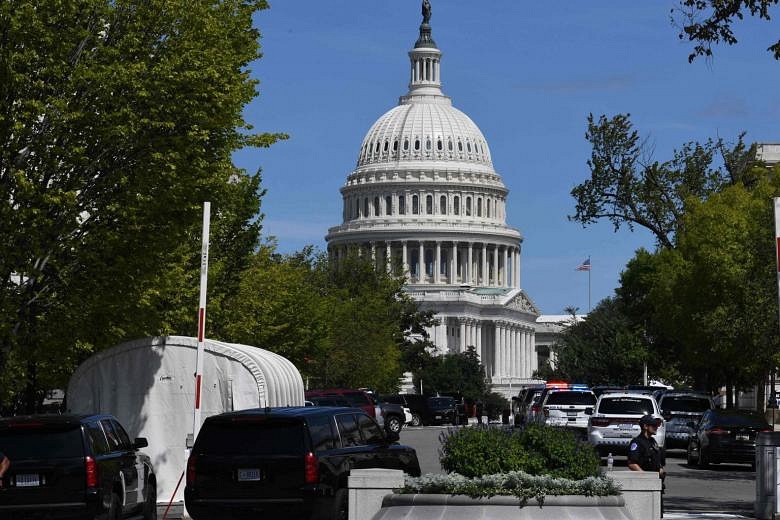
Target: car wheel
[[691, 460], [114, 509], [416, 419], [150, 507], [703, 462], [339, 508], [393, 424]]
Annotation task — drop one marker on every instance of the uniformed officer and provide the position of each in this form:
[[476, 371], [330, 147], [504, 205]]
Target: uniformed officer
[[644, 454]]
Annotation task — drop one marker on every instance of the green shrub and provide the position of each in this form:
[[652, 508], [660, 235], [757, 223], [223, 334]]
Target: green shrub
[[495, 404], [536, 450], [516, 483]]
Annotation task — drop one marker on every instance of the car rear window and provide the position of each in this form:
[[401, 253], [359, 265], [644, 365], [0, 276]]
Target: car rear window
[[739, 421], [41, 443], [356, 399], [441, 401], [251, 436], [571, 398], [685, 404], [626, 405]]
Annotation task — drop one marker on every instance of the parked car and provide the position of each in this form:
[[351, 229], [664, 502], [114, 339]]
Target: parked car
[[522, 402], [392, 416], [567, 408], [679, 410], [603, 389], [725, 436], [286, 462], [82, 466], [615, 421], [534, 407], [444, 410], [356, 398], [417, 404]]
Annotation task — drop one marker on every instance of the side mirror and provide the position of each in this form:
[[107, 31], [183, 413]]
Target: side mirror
[[140, 442], [392, 437], [588, 411]]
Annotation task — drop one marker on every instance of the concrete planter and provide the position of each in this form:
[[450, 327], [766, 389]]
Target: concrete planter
[[425, 507]]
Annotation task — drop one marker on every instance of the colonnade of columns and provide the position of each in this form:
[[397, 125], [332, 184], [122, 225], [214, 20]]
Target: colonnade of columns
[[506, 349], [446, 262]]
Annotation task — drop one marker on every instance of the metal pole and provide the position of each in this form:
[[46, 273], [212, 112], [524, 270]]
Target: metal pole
[[645, 379], [204, 272], [590, 268]]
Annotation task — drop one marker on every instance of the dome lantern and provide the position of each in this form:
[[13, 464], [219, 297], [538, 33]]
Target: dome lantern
[[425, 60]]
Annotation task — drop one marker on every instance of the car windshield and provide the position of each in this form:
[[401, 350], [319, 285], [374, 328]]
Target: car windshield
[[685, 404], [626, 406], [251, 436], [739, 421], [39, 443], [441, 402], [571, 398]]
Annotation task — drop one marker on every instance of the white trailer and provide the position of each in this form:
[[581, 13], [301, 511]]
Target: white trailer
[[149, 385]]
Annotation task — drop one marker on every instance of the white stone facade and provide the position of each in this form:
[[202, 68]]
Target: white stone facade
[[424, 197]]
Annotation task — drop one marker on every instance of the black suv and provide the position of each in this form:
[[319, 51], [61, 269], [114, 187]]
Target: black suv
[[290, 462], [74, 466]]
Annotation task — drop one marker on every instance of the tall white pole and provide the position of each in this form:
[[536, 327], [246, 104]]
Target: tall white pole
[[204, 273], [777, 247]]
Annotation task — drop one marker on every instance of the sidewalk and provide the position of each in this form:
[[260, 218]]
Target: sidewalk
[[702, 515]]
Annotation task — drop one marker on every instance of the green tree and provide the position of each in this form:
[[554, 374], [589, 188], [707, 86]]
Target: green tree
[[627, 187], [708, 22], [117, 119], [460, 373]]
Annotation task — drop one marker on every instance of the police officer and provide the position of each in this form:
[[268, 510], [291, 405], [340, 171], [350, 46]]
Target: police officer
[[644, 454]]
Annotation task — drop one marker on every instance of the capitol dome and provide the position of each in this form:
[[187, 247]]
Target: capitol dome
[[425, 202]]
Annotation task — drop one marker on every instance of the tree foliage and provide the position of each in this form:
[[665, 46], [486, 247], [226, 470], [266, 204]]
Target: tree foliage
[[627, 187], [708, 22], [454, 373], [117, 119]]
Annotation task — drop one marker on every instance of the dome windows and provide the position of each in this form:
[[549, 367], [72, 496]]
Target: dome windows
[[395, 145], [416, 145], [443, 204], [429, 205], [489, 203], [460, 146], [468, 206], [428, 144], [406, 145], [468, 147], [377, 147], [415, 205], [387, 146], [365, 208], [439, 145], [456, 205], [449, 144], [402, 205], [479, 207], [376, 206], [388, 205]]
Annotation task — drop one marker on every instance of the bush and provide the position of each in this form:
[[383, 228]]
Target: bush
[[536, 450], [516, 483], [495, 404]]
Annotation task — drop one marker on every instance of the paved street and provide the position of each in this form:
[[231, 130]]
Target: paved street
[[726, 488]]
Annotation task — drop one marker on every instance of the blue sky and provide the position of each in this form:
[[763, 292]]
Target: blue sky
[[528, 73]]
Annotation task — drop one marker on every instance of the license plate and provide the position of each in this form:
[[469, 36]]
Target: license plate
[[626, 426], [743, 437], [438, 416], [571, 414], [249, 475], [28, 480]]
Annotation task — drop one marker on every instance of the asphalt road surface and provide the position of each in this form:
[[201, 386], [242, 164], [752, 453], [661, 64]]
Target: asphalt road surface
[[722, 487]]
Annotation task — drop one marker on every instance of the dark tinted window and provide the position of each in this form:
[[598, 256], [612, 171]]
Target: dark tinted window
[[441, 402], [320, 429], [97, 438], [685, 404], [348, 428], [114, 442], [370, 430], [395, 399], [41, 443], [626, 405], [329, 401], [251, 436], [739, 421], [123, 437], [571, 398], [356, 399]]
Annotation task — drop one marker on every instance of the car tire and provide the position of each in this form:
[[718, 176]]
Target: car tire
[[393, 424], [114, 509], [691, 461], [703, 462], [339, 505], [416, 419], [150, 506]]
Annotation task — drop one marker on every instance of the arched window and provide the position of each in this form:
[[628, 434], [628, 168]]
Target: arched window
[[449, 145], [406, 145], [479, 207], [416, 144], [468, 206], [460, 146], [428, 144], [365, 208], [443, 205], [468, 147], [456, 205], [376, 207], [415, 205], [395, 145], [387, 145], [377, 147], [401, 205], [429, 205], [439, 145], [489, 203], [388, 205]]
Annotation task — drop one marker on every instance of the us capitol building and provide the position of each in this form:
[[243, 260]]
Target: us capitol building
[[425, 197]]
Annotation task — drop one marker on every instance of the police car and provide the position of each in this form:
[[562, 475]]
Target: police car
[[566, 407], [615, 421]]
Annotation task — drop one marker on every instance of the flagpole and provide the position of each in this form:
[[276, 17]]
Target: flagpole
[[590, 268]]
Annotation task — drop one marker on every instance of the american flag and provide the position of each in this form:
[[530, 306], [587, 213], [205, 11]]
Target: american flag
[[584, 266]]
